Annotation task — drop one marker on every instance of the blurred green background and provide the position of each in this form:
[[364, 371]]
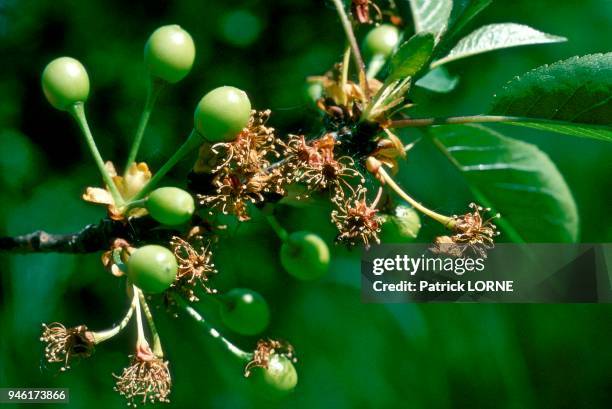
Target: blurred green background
[[351, 354]]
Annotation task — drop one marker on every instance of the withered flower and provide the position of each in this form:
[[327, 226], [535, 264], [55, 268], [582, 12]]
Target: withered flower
[[389, 149], [115, 258], [472, 233], [343, 99], [193, 266], [355, 220], [65, 343], [251, 149], [298, 152], [264, 350], [234, 191], [243, 173], [445, 245], [128, 185], [207, 159], [147, 379], [361, 10], [314, 164]]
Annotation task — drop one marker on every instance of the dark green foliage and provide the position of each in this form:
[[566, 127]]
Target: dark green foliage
[[570, 97], [350, 354]]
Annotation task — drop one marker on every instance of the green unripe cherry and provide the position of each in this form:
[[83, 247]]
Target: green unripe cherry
[[305, 255], [381, 40], [245, 311], [170, 205], [401, 226], [222, 114], [152, 268], [169, 53], [65, 82], [313, 92], [280, 375]]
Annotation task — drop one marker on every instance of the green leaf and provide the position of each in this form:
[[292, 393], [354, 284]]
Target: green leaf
[[603, 133], [516, 179], [495, 37], [431, 16], [411, 56], [463, 12], [438, 80], [573, 97]]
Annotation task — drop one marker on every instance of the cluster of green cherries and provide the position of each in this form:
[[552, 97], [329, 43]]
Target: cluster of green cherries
[[219, 116]]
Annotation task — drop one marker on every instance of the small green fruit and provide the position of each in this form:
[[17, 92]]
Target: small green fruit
[[280, 375], [245, 311], [65, 82], [222, 114], [305, 255], [313, 92], [401, 226], [381, 40], [152, 268], [170, 205], [169, 53]]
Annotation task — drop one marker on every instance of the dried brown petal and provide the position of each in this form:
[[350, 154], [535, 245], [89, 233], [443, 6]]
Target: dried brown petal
[[63, 343], [121, 249], [135, 178]]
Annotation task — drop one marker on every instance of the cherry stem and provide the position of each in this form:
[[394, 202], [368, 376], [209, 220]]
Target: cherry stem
[[239, 353], [141, 341], [78, 112], [193, 141], [447, 221], [280, 231], [134, 204], [101, 336], [419, 122], [154, 88], [375, 65], [350, 35], [157, 347]]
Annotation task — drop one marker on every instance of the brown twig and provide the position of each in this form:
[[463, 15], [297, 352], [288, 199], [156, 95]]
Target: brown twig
[[92, 238]]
